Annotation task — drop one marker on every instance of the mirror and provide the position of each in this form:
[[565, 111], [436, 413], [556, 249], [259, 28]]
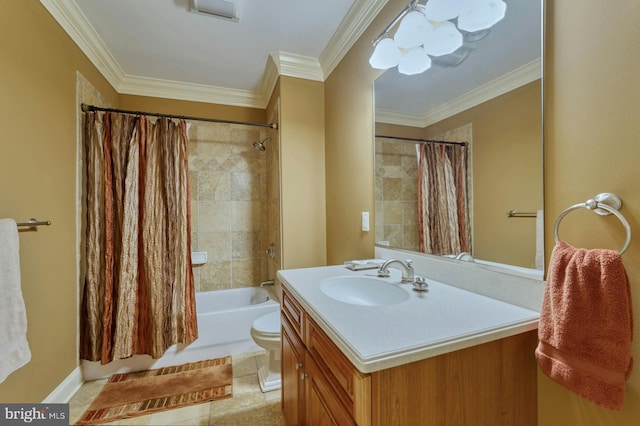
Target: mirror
[[490, 99]]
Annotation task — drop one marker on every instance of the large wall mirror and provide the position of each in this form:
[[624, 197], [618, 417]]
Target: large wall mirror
[[486, 96]]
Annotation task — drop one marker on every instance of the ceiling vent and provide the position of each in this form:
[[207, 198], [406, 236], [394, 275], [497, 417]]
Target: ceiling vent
[[225, 9]]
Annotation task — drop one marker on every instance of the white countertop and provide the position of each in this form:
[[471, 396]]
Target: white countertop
[[444, 319]]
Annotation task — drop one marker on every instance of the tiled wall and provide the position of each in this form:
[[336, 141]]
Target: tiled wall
[[396, 189], [229, 204]]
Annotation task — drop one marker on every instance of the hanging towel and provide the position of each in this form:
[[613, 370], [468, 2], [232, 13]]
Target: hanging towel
[[14, 348], [586, 324]]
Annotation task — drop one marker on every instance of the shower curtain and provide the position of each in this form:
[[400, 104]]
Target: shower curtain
[[138, 295], [443, 206]]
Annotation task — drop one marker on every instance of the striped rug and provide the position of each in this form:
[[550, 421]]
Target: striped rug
[[151, 391]]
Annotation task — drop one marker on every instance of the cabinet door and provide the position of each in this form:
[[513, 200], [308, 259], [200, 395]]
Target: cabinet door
[[322, 407], [292, 370]]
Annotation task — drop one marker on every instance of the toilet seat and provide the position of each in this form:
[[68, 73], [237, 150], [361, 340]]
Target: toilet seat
[[268, 324]]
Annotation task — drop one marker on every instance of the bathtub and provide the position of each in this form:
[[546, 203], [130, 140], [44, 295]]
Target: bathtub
[[224, 324]]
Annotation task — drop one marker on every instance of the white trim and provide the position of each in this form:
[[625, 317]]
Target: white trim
[[77, 26], [74, 22], [399, 118], [269, 80], [159, 88], [357, 20], [299, 66], [501, 85], [66, 389]]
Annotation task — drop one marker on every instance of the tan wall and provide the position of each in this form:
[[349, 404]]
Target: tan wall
[[302, 150], [507, 172], [194, 109], [38, 179], [592, 105], [350, 146]]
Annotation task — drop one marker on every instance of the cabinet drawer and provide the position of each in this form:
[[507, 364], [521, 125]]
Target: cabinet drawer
[[293, 312], [352, 387]]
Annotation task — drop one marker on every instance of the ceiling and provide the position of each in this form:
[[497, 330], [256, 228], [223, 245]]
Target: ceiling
[[161, 48]]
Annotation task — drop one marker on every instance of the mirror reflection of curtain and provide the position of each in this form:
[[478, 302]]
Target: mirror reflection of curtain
[[139, 295], [443, 204]]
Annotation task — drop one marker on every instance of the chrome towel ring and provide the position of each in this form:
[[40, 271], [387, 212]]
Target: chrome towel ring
[[603, 204]]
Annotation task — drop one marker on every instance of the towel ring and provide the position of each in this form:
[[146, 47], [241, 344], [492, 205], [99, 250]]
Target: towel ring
[[603, 204]]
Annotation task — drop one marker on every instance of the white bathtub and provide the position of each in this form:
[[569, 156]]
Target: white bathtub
[[224, 324]]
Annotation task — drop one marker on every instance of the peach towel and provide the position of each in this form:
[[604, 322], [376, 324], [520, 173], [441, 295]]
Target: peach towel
[[586, 324]]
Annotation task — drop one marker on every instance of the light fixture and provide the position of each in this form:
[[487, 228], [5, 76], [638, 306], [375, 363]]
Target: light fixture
[[415, 61], [482, 15], [444, 10], [385, 55], [429, 30], [413, 28], [443, 40]]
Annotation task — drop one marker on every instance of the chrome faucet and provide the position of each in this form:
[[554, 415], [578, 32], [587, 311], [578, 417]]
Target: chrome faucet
[[405, 267]]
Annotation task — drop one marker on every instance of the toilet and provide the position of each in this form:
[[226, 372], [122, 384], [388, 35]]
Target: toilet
[[265, 331]]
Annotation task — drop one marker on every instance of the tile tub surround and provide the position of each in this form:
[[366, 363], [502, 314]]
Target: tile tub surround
[[373, 338], [229, 201]]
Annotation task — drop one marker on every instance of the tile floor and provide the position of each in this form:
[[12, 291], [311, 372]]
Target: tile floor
[[248, 406]]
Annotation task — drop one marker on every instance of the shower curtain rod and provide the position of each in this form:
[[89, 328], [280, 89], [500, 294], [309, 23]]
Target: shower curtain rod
[[421, 140], [88, 108]]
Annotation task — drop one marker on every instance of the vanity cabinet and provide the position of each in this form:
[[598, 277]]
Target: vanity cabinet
[[488, 384], [319, 384]]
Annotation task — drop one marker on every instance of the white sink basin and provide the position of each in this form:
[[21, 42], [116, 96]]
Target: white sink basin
[[363, 291]]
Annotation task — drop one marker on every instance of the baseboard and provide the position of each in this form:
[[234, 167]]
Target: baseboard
[[66, 389]]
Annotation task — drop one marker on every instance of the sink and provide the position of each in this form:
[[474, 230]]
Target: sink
[[363, 291]]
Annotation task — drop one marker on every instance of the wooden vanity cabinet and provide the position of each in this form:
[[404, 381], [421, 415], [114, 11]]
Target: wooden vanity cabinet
[[489, 384], [319, 384]]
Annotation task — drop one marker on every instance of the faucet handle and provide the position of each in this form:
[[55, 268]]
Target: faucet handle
[[409, 263], [384, 273], [420, 284]]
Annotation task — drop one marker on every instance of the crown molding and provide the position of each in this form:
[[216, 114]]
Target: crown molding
[[357, 20], [299, 66], [400, 118], [72, 20], [70, 17], [501, 85], [159, 88], [269, 80]]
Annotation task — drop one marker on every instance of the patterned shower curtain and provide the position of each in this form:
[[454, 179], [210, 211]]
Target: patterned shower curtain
[[443, 205], [138, 295]]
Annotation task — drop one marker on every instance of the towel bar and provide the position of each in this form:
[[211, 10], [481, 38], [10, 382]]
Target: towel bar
[[602, 204], [33, 223], [513, 213]]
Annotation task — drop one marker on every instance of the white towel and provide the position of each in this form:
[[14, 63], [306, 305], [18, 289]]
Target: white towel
[[14, 348]]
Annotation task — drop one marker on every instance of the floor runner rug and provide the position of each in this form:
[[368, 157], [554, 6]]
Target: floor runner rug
[[152, 391]]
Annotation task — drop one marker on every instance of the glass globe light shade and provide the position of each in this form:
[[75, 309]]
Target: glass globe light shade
[[444, 10], [414, 61], [444, 39], [413, 28], [386, 55], [482, 15]]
